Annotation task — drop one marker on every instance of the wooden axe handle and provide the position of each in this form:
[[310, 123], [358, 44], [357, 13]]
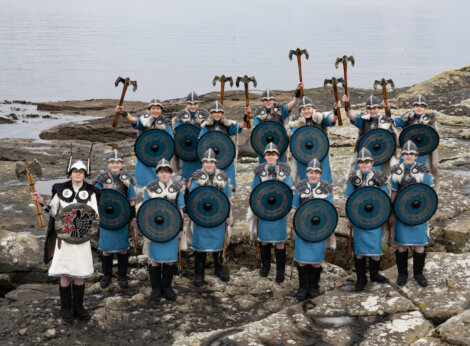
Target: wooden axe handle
[[350, 241], [345, 70], [222, 87], [180, 265], [384, 93], [225, 245], [338, 109], [36, 203], [300, 75], [116, 117], [247, 102]]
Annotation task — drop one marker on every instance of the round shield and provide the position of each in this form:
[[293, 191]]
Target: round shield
[[415, 204], [368, 207], [271, 200], [267, 132], [186, 138], [152, 146], [308, 143], [221, 144], [114, 209], [159, 220], [425, 137], [315, 220], [208, 206], [76, 223], [380, 143]]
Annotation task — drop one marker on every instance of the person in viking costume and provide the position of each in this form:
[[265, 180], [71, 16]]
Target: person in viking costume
[[367, 243], [70, 262], [113, 241], [209, 239], [217, 122], [406, 173], [272, 232], [370, 120], [274, 111], [309, 255], [194, 115], [164, 255], [310, 117], [152, 120], [419, 115]]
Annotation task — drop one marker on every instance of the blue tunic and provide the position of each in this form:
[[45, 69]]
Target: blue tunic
[[406, 235], [230, 169], [306, 252], [165, 252], [144, 174], [272, 231], [117, 240], [366, 242], [285, 113], [325, 163], [209, 239]]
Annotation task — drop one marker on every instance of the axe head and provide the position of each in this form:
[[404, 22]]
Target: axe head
[[298, 52], [344, 60], [222, 79], [28, 167], [340, 80], [246, 80], [383, 83], [331, 81], [134, 84], [126, 81]]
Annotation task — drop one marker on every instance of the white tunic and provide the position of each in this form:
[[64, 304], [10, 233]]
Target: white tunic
[[73, 260]]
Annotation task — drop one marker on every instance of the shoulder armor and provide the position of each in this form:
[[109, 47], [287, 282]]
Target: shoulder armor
[[204, 112], [228, 122], [379, 177], [259, 110], [386, 119], [146, 115], [181, 114], [166, 119], [301, 185], [152, 186], [354, 179], [127, 175], [421, 168], [56, 188], [429, 118], [259, 169], [396, 169], [325, 187], [101, 178], [363, 114], [177, 185], [221, 175], [284, 168], [279, 106], [197, 174]]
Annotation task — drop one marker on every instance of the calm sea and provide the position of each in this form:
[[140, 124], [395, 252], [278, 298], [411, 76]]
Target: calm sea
[[64, 50]]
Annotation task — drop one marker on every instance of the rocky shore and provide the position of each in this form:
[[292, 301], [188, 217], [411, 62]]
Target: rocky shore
[[248, 309]]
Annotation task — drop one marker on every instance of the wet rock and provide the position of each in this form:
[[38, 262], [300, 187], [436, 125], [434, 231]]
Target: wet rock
[[456, 329], [33, 292], [50, 333]]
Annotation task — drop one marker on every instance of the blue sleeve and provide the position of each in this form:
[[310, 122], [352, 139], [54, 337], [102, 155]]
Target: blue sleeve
[[146, 196], [255, 181], [178, 123], [131, 195], [393, 185], [349, 189], [288, 181], [357, 121], [138, 125], [256, 121], [329, 198], [227, 190], [193, 186], [234, 129], [99, 186], [384, 188], [399, 122], [292, 130], [202, 132], [285, 112], [327, 121], [169, 131], [180, 200], [296, 200], [428, 180]]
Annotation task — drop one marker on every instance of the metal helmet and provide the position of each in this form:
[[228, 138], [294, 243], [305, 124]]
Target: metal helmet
[[314, 165], [372, 102], [305, 102], [155, 102], [420, 100], [409, 148], [364, 154], [209, 155], [271, 148], [268, 94], [217, 107], [115, 155], [192, 98], [162, 164], [78, 165]]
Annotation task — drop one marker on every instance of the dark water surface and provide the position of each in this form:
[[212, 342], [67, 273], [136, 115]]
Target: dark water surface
[[63, 50]]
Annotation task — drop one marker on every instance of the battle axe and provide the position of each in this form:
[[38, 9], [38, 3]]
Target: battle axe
[[298, 52], [126, 83], [384, 83], [334, 83], [25, 171], [246, 80], [222, 79], [344, 81]]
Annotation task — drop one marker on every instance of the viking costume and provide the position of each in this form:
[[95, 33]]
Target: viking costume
[[230, 128], [365, 123], [116, 240], [144, 174], [321, 121], [209, 239], [407, 235], [272, 232], [161, 276], [429, 119], [367, 243], [309, 253], [194, 118], [278, 113]]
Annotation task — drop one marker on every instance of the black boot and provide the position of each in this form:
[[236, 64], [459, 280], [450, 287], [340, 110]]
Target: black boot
[[374, 272], [314, 279], [360, 264], [155, 273], [402, 266], [66, 303], [280, 264], [123, 262], [418, 265], [303, 282], [218, 269], [265, 253], [78, 309], [199, 266], [167, 278], [107, 266]]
